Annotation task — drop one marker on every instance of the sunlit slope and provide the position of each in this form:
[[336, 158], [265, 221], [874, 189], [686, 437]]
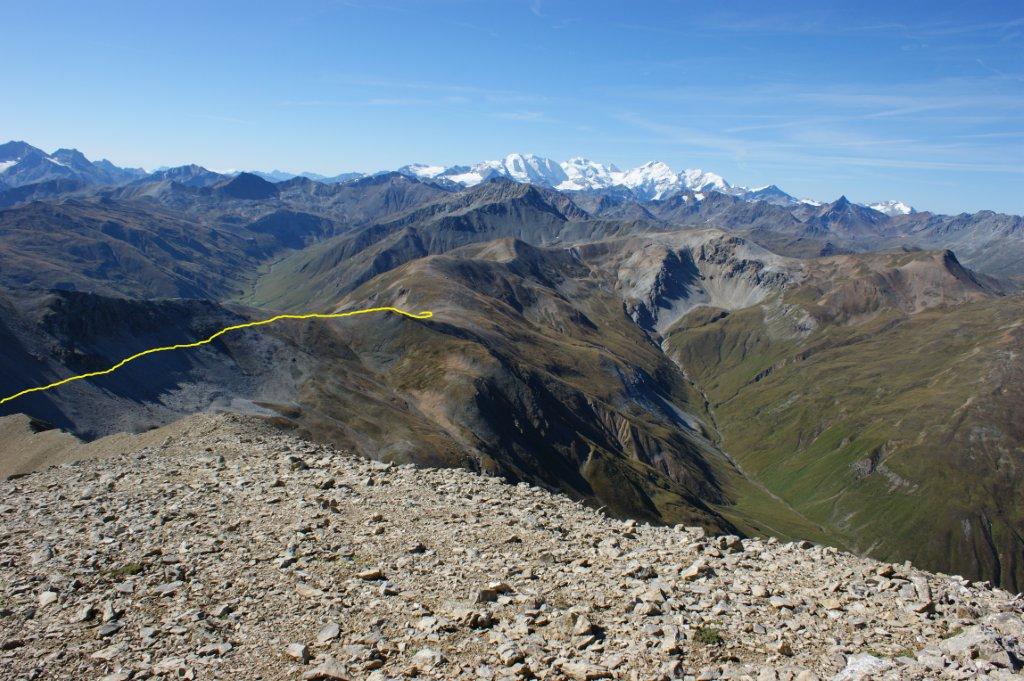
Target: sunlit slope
[[882, 398]]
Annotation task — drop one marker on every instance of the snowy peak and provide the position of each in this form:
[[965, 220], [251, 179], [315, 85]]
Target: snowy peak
[[770, 194], [12, 152], [652, 180], [22, 164], [892, 207], [584, 174], [517, 167], [423, 171], [534, 169], [700, 181]]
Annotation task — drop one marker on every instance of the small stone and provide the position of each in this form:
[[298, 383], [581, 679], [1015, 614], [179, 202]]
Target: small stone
[[782, 647], [583, 671], [168, 589], [694, 571], [297, 464], [328, 632], [215, 649], [510, 655], [328, 670], [731, 543], [709, 673], [170, 665], [831, 603], [221, 610], [109, 629], [298, 651], [485, 596], [427, 658], [862, 666], [109, 613], [371, 575], [46, 598], [583, 626], [308, 591], [116, 676]]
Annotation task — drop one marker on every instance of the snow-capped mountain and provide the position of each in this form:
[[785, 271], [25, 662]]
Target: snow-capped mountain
[[769, 194], [584, 174], [424, 171], [653, 180], [21, 164], [534, 169], [518, 167], [701, 181], [650, 181], [892, 207]]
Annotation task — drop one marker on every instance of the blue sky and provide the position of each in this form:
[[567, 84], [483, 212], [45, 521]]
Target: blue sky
[[920, 101]]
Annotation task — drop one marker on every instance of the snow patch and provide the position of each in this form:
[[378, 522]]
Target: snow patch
[[892, 207], [422, 170]]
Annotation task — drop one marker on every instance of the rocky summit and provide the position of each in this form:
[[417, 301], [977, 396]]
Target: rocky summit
[[222, 547]]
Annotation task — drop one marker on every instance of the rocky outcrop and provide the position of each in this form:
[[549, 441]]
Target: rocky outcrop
[[663, 276], [233, 550]]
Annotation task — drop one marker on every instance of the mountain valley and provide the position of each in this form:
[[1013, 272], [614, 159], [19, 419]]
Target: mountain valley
[[664, 346]]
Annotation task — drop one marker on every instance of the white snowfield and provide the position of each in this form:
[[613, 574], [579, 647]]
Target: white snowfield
[[892, 207], [651, 181]]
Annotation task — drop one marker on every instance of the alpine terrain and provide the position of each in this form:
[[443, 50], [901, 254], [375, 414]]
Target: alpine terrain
[[658, 426]]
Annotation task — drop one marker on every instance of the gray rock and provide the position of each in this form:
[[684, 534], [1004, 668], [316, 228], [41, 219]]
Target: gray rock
[[298, 651], [328, 632]]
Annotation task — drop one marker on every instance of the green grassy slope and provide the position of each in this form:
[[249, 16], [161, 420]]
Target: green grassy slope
[[885, 424]]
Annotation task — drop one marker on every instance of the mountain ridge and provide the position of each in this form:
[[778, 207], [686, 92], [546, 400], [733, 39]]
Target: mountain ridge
[[629, 353], [21, 164]]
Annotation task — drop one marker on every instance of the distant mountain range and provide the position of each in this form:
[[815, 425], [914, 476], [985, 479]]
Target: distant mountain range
[[23, 164]]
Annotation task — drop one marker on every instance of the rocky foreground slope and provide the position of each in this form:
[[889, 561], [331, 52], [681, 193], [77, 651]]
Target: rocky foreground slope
[[236, 551]]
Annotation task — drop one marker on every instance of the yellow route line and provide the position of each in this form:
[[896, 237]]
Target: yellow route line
[[183, 346]]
